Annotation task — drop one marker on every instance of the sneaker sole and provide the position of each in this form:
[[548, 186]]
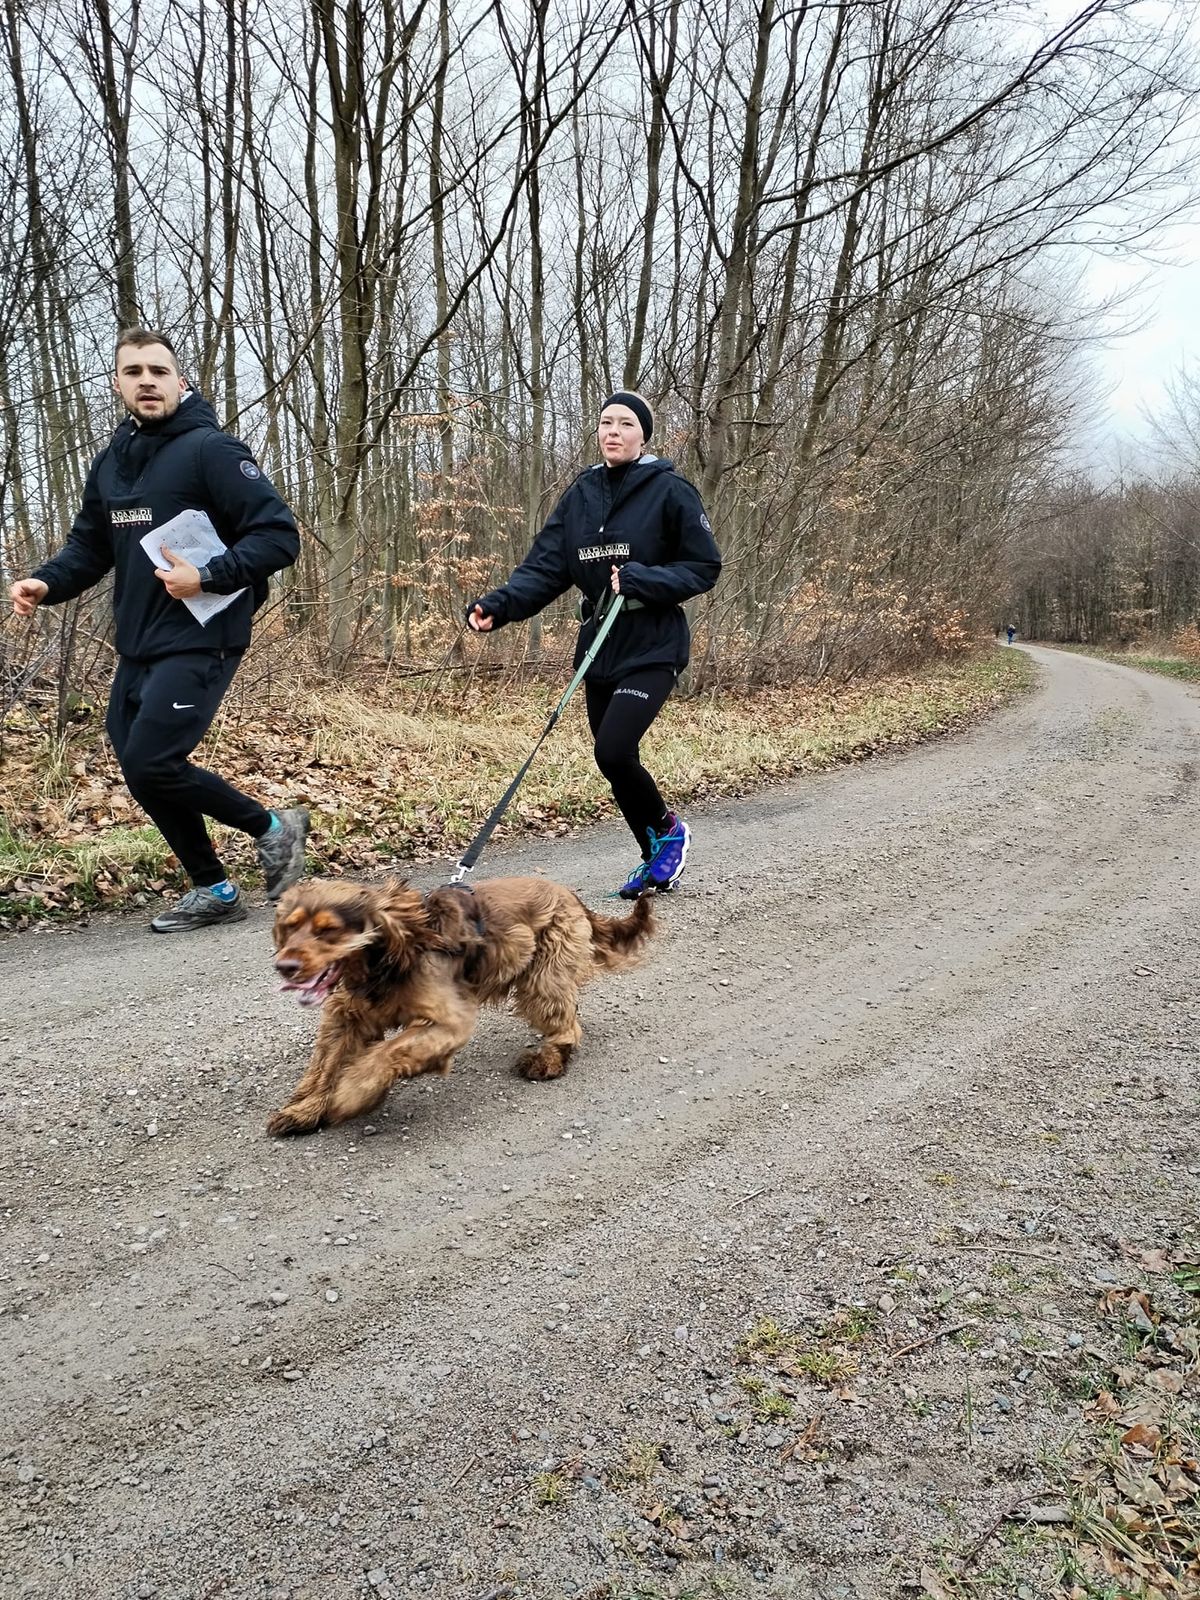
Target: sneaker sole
[[237, 913]]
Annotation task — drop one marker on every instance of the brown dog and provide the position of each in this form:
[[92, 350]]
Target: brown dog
[[388, 957]]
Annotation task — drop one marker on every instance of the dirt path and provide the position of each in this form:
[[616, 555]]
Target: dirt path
[[907, 1024]]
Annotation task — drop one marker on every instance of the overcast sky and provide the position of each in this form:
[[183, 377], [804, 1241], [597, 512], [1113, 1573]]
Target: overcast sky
[[1163, 310], [1134, 370]]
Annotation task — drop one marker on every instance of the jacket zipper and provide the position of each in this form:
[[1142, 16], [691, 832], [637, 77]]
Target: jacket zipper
[[621, 496], [600, 607]]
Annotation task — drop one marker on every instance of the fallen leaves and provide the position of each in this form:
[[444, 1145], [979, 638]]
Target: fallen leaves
[[1138, 1498], [1133, 1305], [1120, 1512], [400, 767], [804, 1447], [1143, 1439], [1105, 1404], [933, 1586]]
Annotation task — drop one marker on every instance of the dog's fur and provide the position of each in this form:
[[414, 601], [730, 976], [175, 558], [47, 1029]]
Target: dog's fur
[[387, 957]]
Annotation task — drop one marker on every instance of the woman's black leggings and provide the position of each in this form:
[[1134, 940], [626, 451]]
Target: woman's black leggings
[[619, 712]]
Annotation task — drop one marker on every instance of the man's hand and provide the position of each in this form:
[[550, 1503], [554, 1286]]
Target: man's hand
[[183, 580], [27, 594], [615, 580], [478, 620]]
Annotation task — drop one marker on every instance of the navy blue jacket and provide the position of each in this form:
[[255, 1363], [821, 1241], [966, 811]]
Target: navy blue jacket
[[655, 530], [147, 475]]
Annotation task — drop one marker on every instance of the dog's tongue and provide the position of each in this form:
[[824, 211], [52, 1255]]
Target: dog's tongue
[[313, 990]]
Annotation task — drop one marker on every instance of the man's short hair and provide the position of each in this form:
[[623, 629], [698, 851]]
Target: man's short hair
[[139, 338]]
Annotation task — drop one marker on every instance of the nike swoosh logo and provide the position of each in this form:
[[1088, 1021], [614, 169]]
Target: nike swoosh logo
[[190, 706]]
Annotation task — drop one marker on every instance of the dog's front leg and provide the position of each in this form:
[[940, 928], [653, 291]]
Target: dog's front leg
[[341, 1037], [423, 1046]]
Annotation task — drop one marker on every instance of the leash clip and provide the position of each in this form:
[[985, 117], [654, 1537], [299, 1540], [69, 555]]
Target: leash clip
[[460, 873]]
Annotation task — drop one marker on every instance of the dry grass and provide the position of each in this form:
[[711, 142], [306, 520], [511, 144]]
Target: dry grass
[[1169, 658], [821, 1358], [408, 771], [732, 744]]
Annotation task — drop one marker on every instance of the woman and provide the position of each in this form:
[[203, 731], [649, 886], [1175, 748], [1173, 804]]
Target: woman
[[630, 526]]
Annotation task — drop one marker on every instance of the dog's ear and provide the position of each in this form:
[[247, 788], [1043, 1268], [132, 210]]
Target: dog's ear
[[449, 927], [397, 914]]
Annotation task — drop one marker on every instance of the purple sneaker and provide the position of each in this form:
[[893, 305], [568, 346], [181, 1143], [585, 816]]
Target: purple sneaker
[[639, 882], [669, 853]]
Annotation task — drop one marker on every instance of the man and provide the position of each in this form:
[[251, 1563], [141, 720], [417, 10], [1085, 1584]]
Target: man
[[170, 456]]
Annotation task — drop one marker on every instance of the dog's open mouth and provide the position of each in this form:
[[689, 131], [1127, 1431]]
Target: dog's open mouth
[[312, 991]]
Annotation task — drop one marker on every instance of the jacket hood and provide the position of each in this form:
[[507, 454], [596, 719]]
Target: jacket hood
[[651, 464]]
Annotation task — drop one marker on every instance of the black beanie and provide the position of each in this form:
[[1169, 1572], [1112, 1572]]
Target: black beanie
[[626, 397]]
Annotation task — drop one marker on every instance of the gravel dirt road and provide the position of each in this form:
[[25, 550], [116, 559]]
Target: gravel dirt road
[[908, 1076]]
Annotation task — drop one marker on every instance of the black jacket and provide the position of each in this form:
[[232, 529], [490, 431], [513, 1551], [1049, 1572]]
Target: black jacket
[[147, 475], [655, 530]]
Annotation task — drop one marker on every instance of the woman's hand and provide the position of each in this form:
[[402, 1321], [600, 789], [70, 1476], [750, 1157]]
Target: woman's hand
[[615, 580], [478, 619]]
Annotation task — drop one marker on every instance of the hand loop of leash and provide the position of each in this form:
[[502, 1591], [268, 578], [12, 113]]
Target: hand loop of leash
[[606, 614]]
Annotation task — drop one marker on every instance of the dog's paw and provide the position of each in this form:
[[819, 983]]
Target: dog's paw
[[547, 1061], [285, 1122]]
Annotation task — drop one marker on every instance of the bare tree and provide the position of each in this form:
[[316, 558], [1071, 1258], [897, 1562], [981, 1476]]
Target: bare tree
[[407, 246]]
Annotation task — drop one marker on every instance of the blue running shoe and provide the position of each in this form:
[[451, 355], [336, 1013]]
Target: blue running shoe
[[637, 883], [668, 853]]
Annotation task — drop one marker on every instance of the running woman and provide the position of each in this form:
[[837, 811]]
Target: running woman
[[631, 525]]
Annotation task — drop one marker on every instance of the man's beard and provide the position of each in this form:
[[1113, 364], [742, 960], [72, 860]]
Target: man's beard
[[156, 410]]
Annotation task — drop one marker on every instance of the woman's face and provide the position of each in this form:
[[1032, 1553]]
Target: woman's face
[[619, 435]]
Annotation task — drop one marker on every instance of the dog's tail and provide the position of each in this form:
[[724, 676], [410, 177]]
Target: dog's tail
[[617, 942]]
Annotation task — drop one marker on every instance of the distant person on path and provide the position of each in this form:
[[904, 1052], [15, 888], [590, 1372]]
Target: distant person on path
[[167, 457], [1012, 633], [630, 526]]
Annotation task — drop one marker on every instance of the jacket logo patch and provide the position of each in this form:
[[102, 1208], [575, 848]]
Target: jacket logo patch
[[249, 470], [132, 517], [705, 523], [605, 552]]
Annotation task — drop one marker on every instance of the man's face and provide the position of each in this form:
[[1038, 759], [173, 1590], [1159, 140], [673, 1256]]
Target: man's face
[[148, 381]]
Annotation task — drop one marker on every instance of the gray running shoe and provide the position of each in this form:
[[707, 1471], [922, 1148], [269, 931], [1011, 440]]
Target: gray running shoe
[[281, 852], [199, 908]]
